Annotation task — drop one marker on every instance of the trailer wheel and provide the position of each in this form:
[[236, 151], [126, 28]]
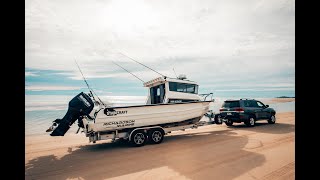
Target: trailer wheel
[[138, 138], [156, 136]]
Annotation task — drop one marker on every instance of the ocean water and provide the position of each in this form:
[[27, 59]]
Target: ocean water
[[40, 111]]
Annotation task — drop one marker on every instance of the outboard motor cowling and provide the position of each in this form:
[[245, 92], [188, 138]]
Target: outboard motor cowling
[[79, 106]]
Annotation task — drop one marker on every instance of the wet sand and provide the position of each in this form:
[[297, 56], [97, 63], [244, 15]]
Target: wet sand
[[210, 152]]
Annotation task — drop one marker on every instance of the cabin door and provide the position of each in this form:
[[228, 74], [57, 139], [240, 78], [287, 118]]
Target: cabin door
[[157, 94]]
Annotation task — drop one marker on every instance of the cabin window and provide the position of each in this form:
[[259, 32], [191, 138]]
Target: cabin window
[[182, 87]]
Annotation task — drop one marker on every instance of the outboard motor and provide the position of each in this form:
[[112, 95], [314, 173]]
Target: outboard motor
[[79, 106]]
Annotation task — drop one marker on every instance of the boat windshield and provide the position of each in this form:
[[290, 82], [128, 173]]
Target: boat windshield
[[183, 87]]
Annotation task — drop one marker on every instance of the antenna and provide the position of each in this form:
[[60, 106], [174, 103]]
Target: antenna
[[83, 75], [127, 71], [91, 90], [175, 73], [142, 64]]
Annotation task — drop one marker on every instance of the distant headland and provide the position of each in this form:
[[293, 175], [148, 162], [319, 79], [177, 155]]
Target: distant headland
[[284, 97]]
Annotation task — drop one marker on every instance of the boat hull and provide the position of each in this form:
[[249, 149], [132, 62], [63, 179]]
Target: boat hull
[[118, 118]]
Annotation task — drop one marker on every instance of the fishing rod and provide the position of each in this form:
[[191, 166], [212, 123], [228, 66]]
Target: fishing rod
[[127, 71], [142, 64], [90, 90]]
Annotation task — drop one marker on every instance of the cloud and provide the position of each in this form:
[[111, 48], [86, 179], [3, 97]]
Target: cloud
[[211, 41], [268, 89], [51, 88]]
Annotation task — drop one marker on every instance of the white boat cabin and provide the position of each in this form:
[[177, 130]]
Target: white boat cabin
[[171, 90]]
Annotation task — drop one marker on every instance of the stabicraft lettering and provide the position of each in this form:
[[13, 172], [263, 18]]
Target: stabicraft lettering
[[114, 113]]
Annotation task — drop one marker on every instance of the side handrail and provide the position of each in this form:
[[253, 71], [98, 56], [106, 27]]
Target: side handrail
[[206, 95]]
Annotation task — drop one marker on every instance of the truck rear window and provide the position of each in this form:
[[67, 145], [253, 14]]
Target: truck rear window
[[231, 104]]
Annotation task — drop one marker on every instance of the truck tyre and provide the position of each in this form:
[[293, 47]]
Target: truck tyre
[[250, 122], [138, 138], [217, 119], [272, 119], [229, 122], [156, 136]]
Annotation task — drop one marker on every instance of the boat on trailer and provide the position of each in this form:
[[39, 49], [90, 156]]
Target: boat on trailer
[[172, 104]]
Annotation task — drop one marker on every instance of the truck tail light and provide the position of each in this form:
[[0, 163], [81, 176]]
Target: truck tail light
[[240, 110]]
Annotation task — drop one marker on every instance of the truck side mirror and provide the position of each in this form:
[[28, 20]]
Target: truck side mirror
[[267, 105]]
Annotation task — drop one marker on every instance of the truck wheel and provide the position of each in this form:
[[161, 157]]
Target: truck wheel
[[229, 122], [138, 138], [272, 119], [156, 136], [217, 119], [250, 122]]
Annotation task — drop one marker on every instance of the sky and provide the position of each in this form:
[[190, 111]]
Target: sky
[[231, 48]]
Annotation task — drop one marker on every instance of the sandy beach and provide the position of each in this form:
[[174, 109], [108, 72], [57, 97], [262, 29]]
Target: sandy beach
[[210, 152], [134, 67]]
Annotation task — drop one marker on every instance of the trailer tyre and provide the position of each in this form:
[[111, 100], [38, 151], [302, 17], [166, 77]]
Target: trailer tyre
[[138, 138], [156, 136]]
